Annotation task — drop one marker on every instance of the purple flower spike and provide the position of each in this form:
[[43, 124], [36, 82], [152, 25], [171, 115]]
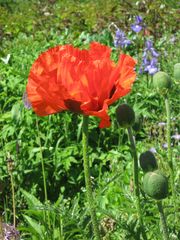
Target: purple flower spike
[[146, 61], [10, 232], [26, 102], [148, 44], [161, 124], [138, 25], [149, 59], [165, 145], [136, 28], [153, 150], [172, 39], [120, 39], [176, 137], [152, 70], [139, 19], [154, 53]]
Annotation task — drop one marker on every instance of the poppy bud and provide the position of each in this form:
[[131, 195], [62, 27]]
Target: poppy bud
[[155, 185], [177, 71], [148, 161], [125, 116], [162, 81], [138, 123]]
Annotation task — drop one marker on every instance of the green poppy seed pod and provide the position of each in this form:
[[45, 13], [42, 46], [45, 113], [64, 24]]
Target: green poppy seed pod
[[155, 185], [148, 161], [125, 116], [177, 71], [138, 122], [162, 81]]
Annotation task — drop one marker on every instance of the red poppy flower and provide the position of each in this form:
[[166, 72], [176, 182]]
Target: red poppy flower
[[82, 81]]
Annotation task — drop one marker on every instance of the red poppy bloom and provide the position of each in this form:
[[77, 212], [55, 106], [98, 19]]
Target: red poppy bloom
[[82, 81]]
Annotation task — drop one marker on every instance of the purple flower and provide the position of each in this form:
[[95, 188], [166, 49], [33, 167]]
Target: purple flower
[[148, 45], [176, 136], [26, 102], [165, 145], [120, 39], [152, 69], [161, 124], [172, 39], [10, 232], [150, 66], [153, 150], [138, 25], [154, 53], [149, 59], [139, 19], [136, 28]]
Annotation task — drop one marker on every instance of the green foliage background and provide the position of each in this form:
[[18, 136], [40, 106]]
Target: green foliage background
[[26, 29]]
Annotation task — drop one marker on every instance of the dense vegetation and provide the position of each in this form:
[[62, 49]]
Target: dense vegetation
[[30, 27]]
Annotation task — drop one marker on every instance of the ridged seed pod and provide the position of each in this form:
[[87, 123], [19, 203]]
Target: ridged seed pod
[[155, 185], [177, 71], [162, 81]]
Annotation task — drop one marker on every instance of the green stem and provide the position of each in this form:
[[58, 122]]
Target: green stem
[[170, 161], [43, 172], [163, 221], [60, 228], [1, 228], [136, 182], [42, 162], [87, 178], [13, 199], [147, 77]]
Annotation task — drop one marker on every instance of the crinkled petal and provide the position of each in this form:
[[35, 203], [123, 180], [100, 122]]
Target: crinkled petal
[[82, 81]]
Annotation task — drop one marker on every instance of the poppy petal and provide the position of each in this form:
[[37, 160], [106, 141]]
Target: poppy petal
[[82, 81]]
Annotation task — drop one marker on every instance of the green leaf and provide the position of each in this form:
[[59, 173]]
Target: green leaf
[[36, 228], [31, 200]]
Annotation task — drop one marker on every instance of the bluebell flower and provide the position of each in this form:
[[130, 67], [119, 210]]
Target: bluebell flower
[[149, 48], [148, 45], [26, 102], [120, 39], [165, 145], [154, 53], [139, 19], [138, 25], [149, 59], [153, 150], [173, 39], [152, 67], [176, 137], [161, 124], [10, 232]]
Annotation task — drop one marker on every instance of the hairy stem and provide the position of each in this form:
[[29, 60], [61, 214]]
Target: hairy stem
[[147, 78], [88, 180], [136, 182], [163, 221], [170, 161], [13, 198], [1, 227], [42, 162], [43, 172]]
